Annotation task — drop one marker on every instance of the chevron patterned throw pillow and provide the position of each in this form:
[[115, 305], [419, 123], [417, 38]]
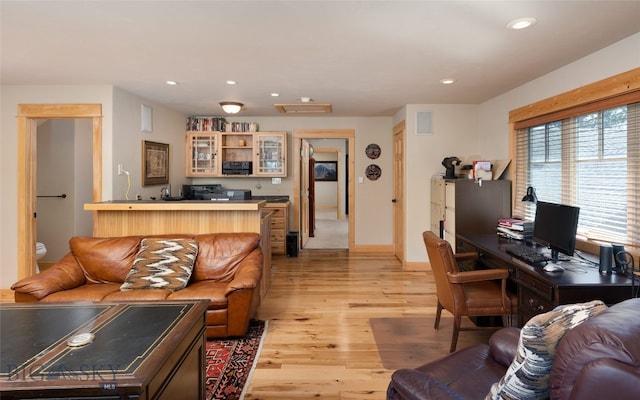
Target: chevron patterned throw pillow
[[162, 263]]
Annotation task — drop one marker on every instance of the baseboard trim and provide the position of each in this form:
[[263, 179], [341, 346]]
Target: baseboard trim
[[417, 266], [372, 248]]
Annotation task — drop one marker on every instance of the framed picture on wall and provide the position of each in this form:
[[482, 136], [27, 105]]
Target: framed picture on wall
[[155, 163], [326, 171]]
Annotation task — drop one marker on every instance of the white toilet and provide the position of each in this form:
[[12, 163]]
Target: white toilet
[[41, 251]]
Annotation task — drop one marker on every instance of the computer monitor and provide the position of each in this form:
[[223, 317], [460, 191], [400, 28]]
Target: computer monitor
[[555, 226]]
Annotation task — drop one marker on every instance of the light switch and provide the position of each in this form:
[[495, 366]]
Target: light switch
[[360, 179], [276, 181]]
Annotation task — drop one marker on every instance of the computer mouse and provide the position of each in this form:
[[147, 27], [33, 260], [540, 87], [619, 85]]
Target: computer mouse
[[553, 268]]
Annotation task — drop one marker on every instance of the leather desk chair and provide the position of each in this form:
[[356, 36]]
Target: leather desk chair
[[466, 293]]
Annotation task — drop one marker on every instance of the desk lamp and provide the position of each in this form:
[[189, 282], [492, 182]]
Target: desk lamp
[[531, 195]]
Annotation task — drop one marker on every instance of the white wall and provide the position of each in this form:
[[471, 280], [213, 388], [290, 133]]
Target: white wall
[[168, 127], [454, 134]]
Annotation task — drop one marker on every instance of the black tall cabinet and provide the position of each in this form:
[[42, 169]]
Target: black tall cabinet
[[465, 206]]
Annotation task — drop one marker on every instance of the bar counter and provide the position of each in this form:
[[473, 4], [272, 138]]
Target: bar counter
[[142, 217]]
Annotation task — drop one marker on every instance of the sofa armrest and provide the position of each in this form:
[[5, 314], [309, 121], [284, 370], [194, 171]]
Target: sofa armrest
[[605, 377], [248, 274], [410, 384], [63, 275], [503, 345]]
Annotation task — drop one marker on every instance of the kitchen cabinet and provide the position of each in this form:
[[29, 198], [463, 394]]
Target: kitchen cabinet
[[202, 154], [208, 151], [279, 226], [270, 155]]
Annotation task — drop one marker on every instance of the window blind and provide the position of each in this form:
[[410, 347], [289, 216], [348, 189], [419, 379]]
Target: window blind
[[587, 156]]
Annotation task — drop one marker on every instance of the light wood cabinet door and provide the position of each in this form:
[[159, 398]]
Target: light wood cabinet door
[[270, 154], [279, 226], [202, 154]]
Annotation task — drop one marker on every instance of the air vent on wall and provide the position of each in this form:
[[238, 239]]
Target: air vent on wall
[[304, 108]]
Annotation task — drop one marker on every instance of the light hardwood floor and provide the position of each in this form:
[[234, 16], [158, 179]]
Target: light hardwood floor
[[319, 342]]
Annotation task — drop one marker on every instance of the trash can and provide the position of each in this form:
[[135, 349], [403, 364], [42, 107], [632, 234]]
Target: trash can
[[293, 240]]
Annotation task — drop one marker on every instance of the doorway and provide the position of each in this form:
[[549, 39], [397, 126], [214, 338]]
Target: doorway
[[63, 177], [301, 179], [328, 219], [27, 120]]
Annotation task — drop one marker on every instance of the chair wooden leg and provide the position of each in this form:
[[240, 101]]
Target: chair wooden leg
[[456, 330], [436, 324]]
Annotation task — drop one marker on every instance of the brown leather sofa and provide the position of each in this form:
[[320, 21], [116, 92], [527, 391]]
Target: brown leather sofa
[[598, 359], [226, 272]]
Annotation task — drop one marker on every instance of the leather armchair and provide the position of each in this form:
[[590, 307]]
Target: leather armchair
[[466, 293]]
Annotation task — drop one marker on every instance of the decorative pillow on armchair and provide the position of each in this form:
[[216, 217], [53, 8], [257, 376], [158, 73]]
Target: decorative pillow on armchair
[[528, 375], [162, 263]]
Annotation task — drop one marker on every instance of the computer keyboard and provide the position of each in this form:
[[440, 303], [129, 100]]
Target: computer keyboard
[[528, 254]]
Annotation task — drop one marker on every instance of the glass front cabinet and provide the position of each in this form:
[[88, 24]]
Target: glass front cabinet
[[202, 154], [206, 152], [270, 155]]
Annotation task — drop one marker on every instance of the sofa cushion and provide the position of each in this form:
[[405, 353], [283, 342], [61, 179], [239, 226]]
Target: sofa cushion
[[528, 375], [162, 263], [105, 260], [220, 254]]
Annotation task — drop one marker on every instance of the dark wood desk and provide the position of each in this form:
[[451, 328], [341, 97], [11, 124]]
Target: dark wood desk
[[140, 351], [540, 291]]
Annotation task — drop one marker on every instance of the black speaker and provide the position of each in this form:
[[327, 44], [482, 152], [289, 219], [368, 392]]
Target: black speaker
[[292, 244], [606, 256], [620, 262]]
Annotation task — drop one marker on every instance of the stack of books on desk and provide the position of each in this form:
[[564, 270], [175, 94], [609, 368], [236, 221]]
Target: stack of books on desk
[[515, 228]]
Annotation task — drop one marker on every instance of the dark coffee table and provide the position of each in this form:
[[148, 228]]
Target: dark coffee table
[[139, 351]]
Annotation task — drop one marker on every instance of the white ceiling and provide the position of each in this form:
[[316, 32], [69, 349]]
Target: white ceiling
[[367, 58]]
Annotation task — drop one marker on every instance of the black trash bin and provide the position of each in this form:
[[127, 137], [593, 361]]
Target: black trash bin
[[293, 240]]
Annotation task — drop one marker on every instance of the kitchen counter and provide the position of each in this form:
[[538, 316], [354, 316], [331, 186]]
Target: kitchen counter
[[148, 217], [176, 205], [272, 199]]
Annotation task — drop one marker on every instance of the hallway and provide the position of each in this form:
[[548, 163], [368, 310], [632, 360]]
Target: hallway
[[330, 232]]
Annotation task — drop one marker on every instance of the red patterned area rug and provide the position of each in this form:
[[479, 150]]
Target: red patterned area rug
[[230, 363]]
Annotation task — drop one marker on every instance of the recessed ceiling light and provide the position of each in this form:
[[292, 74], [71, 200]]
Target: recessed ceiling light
[[231, 82], [447, 81], [275, 94], [521, 23], [172, 83]]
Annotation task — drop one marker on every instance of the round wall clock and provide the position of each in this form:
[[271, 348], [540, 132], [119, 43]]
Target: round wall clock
[[373, 151], [373, 172]]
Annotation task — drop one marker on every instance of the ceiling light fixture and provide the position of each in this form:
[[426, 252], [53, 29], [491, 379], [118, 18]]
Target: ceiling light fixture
[[172, 83], [231, 82], [521, 23], [447, 81], [231, 107], [275, 94]]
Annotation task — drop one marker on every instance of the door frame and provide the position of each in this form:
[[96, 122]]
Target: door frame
[[349, 136], [399, 218], [27, 117]]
